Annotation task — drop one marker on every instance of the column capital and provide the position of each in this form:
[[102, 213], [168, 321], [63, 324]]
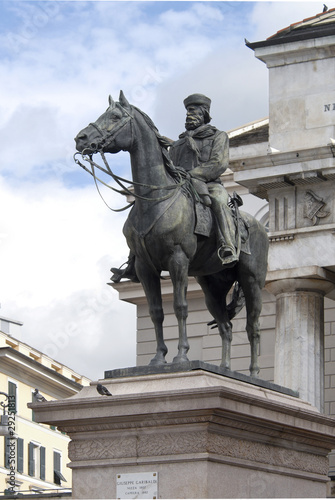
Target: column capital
[[306, 278], [290, 285]]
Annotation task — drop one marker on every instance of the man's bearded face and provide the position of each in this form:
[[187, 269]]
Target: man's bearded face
[[194, 117]]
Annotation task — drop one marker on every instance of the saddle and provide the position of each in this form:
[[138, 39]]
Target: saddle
[[204, 220]]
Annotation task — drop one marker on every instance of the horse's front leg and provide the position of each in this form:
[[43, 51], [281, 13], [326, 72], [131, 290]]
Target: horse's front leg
[[152, 289], [178, 268]]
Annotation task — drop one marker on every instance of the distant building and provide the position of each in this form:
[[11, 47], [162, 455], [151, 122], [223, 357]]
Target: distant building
[[33, 456]]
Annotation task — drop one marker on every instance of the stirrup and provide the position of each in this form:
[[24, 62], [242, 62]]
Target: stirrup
[[227, 255], [126, 273]]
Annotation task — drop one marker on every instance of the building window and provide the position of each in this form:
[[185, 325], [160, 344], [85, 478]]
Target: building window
[[58, 476], [19, 451], [7, 449], [42, 463], [12, 397], [36, 460], [31, 459]]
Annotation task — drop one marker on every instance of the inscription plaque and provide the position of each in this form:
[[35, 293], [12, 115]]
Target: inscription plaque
[[139, 485]]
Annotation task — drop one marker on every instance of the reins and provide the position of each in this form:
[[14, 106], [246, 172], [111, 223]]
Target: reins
[[87, 157]]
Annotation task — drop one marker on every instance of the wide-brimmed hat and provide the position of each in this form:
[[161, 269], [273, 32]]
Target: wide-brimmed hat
[[198, 99]]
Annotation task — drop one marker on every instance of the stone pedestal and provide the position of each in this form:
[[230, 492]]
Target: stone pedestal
[[205, 435]]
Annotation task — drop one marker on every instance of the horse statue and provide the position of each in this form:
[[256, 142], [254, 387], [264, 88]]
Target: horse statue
[[160, 232]]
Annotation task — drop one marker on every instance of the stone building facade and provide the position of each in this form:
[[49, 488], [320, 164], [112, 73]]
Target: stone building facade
[[33, 456]]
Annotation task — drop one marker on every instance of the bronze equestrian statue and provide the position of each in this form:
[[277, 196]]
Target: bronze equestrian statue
[[182, 220]]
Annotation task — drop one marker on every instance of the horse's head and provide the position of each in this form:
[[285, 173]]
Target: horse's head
[[105, 133]]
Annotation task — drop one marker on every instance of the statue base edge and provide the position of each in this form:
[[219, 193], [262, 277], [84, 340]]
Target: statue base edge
[[137, 371]]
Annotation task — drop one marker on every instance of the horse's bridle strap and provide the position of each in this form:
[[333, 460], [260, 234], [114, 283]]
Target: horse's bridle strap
[[107, 139]]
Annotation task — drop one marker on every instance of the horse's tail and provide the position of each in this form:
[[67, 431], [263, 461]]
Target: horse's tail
[[235, 305]]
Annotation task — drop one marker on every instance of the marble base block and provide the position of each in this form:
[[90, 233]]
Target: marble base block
[[205, 435]]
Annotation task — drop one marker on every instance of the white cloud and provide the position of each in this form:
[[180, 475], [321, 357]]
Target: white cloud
[[194, 18], [32, 133], [55, 237], [56, 248], [269, 17]]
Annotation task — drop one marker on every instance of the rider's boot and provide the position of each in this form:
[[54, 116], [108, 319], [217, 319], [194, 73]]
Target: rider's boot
[[126, 273], [226, 251]]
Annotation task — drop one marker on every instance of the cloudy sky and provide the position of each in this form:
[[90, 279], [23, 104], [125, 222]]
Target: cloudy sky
[[59, 61]]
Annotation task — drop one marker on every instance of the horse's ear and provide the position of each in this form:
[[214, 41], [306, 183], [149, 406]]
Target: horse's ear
[[110, 101], [123, 101]]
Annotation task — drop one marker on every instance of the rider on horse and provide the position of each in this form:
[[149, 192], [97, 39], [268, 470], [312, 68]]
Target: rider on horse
[[202, 151]]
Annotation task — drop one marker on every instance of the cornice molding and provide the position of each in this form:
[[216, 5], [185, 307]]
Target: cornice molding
[[37, 370]]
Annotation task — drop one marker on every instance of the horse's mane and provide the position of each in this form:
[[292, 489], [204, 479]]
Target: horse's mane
[[164, 143]]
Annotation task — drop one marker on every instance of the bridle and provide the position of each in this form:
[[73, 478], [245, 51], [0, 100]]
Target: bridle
[[88, 153], [107, 139]]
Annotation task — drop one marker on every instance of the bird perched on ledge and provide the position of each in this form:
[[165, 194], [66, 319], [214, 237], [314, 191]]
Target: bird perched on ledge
[[38, 398], [103, 390]]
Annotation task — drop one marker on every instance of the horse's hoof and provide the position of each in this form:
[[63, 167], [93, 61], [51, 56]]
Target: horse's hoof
[[157, 361], [181, 359], [225, 366]]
